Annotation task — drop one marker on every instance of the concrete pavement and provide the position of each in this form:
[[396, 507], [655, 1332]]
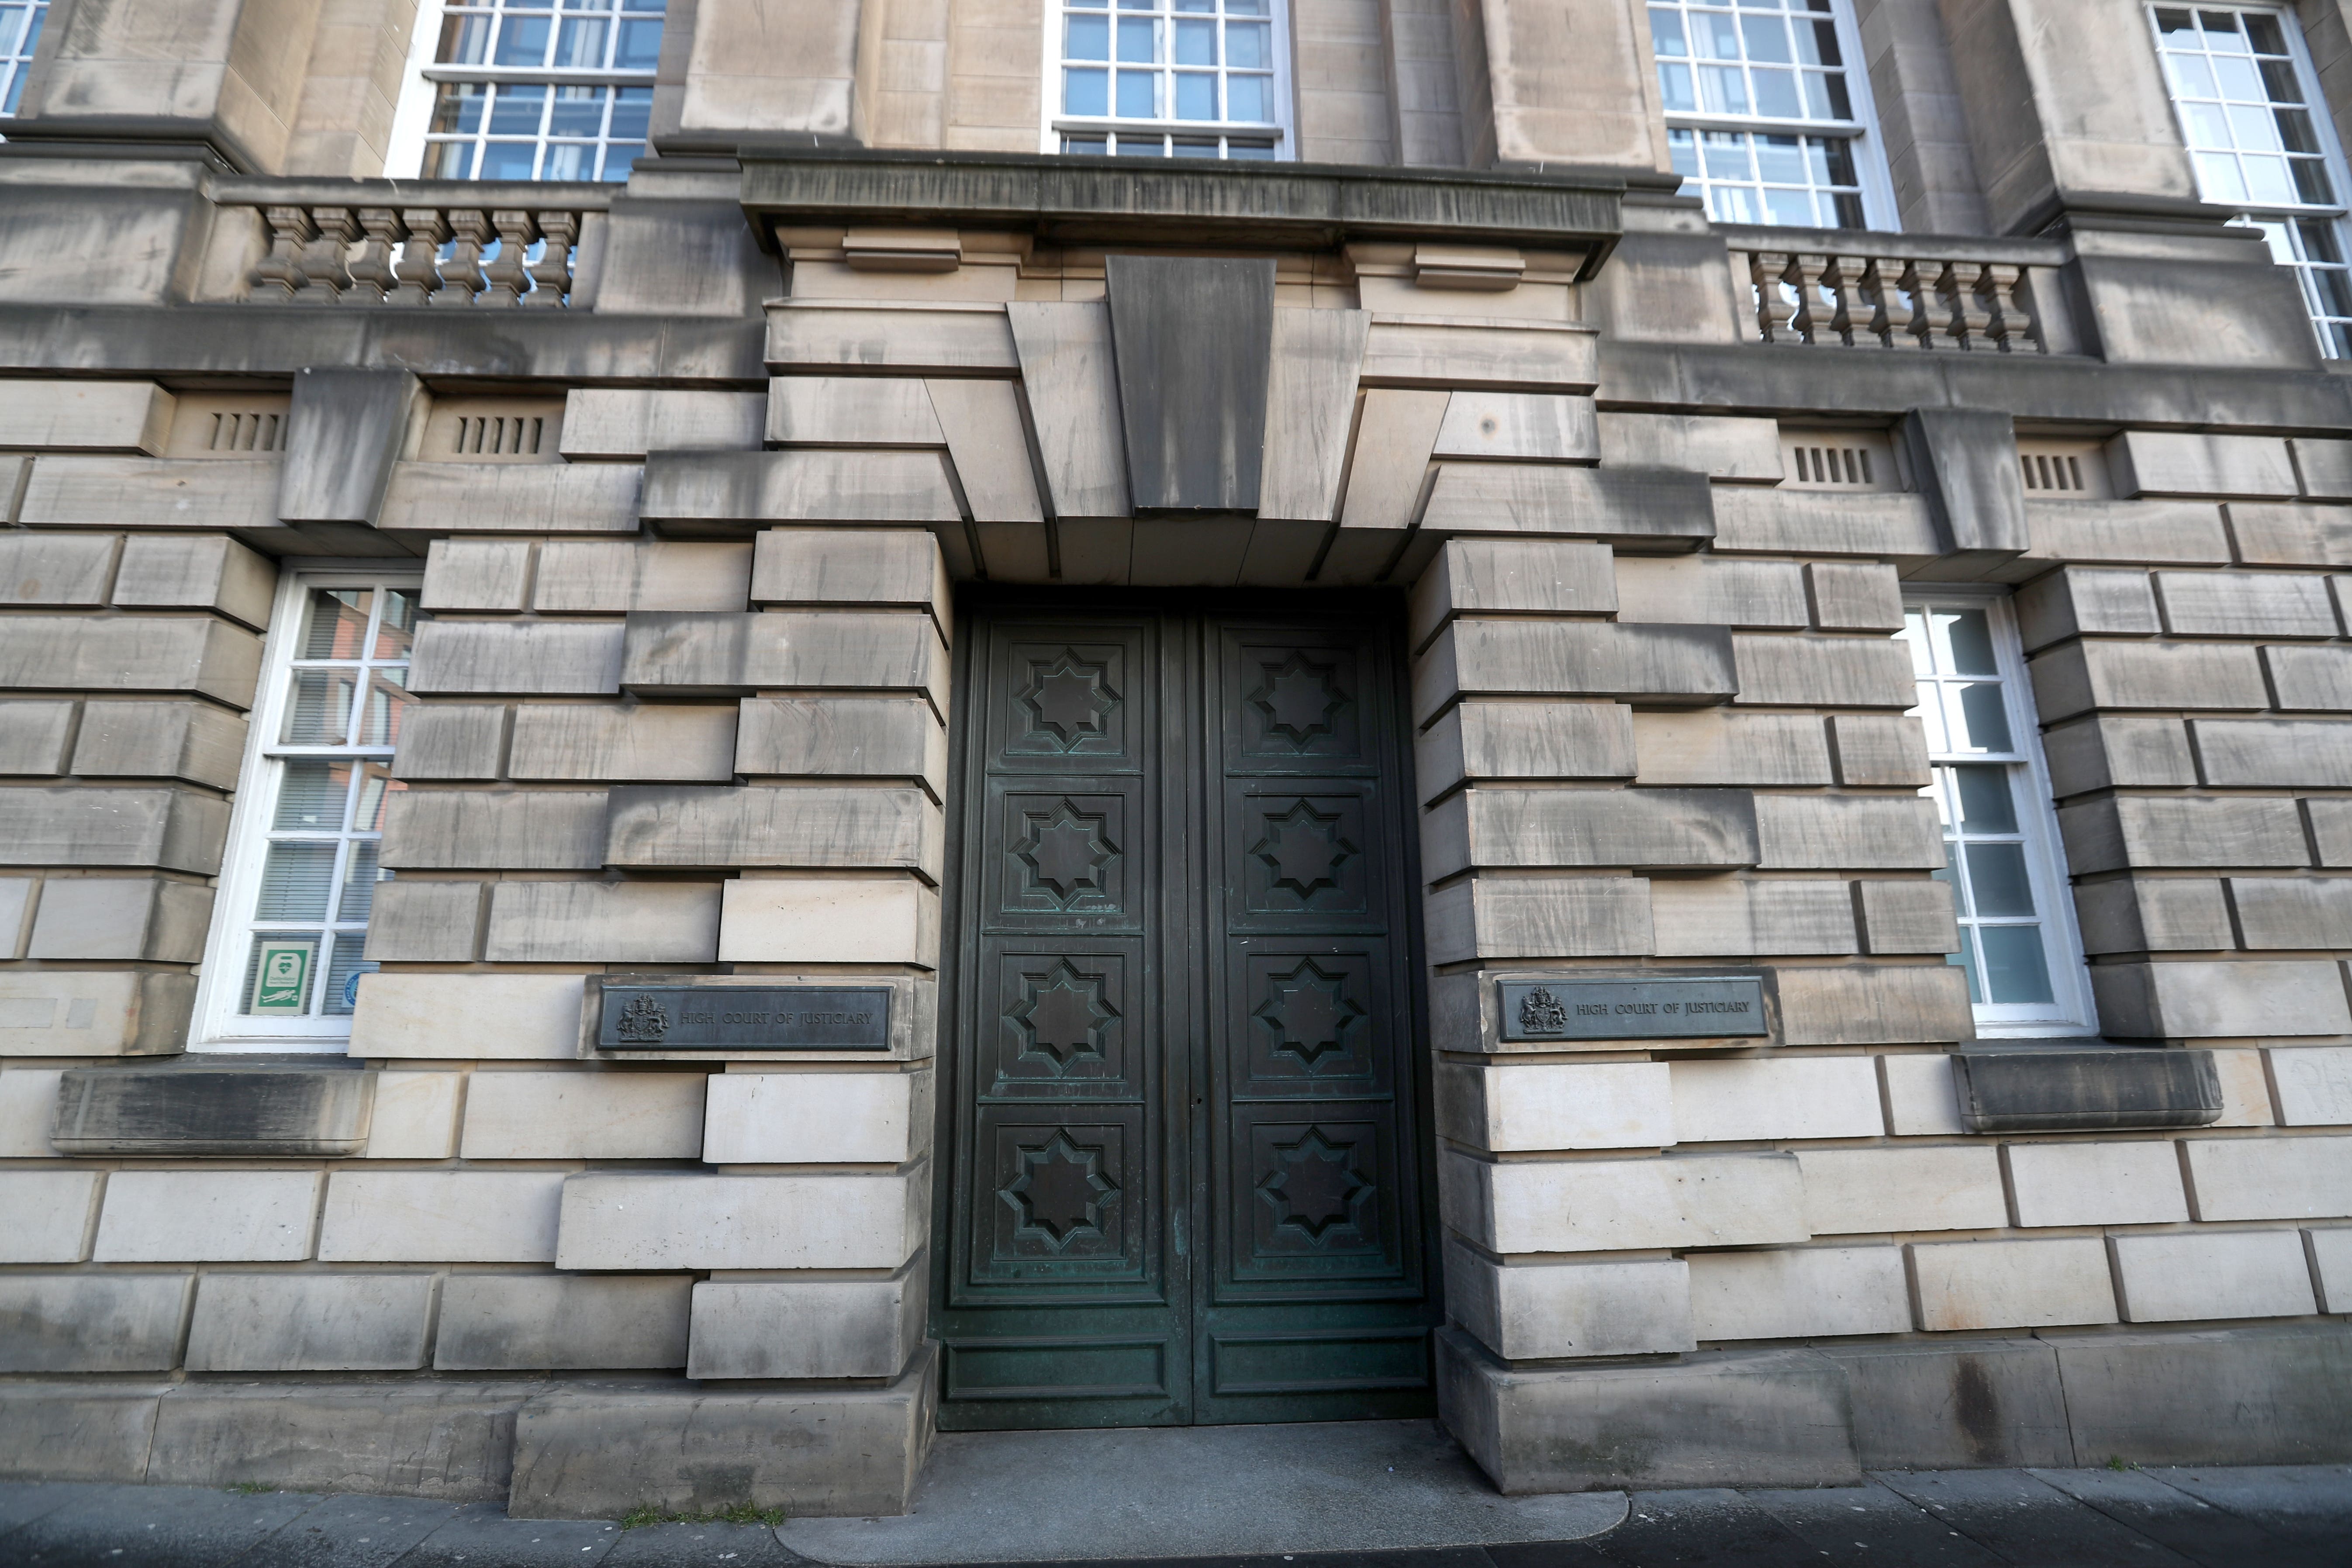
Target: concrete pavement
[[2283, 1516]]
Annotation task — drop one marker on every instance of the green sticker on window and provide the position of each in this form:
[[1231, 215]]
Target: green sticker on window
[[281, 979]]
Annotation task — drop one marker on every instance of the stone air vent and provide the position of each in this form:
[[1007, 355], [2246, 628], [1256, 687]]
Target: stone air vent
[[2064, 470], [493, 430], [1838, 461], [227, 424]]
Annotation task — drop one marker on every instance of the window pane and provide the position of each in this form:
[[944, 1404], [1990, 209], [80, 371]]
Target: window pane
[[632, 106], [319, 709], [2015, 970], [1666, 33], [465, 40], [1196, 42], [1966, 638], [639, 47], [577, 111], [388, 703], [1981, 723], [1986, 802], [1196, 96], [1767, 39], [295, 881], [580, 43], [449, 161], [1135, 40], [335, 623], [510, 159], [1249, 99], [311, 795], [459, 108], [343, 973], [1086, 91], [1249, 44], [1674, 87], [376, 785], [1967, 959], [523, 41], [360, 878], [1137, 99], [1776, 95], [1997, 881], [1087, 39], [519, 110]]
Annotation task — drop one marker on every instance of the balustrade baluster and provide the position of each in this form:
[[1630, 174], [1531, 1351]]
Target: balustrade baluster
[[2013, 325], [461, 276], [551, 273], [1918, 280], [373, 278], [322, 262], [1805, 275], [1971, 318], [277, 276], [1848, 323], [1892, 322], [1772, 311], [508, 274], [420, 258]]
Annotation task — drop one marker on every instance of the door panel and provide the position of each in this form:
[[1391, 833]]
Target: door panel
[[1183, 1118]]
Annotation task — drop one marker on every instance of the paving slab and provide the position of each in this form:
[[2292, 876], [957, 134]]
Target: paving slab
[[353, 1531], [1869, 1524], [184, 1527], [1181, 1491], [23, 1503], [2028, 1522], [1700, 1527], [481, 1535], [2304, 1501], [2189, 1525], [700, 1546]]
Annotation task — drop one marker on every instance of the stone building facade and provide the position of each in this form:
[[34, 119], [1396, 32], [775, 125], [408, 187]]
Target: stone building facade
[[735, 732]]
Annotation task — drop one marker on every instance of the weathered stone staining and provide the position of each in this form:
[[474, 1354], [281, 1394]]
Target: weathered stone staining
[[663, 947]]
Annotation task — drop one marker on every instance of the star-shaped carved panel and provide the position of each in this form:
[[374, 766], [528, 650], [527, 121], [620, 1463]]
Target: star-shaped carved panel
[[1315, 1186], [1068, 700], [1298, 698], [1309, 1012], [1062, 1015], [1305, 849], [1065, 852], [1061, 1189]]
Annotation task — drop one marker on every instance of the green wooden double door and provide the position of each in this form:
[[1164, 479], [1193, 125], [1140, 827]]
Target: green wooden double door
[[1183, 1141]]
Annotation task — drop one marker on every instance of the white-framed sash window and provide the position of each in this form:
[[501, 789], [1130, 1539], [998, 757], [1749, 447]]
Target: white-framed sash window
[[528, 90], [2259, 135], [299, 876], [1769, 114], [1991, 790], [1168, 78], [20, 34]]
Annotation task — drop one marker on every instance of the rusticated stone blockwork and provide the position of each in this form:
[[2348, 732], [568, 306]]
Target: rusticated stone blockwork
[[687, 522]]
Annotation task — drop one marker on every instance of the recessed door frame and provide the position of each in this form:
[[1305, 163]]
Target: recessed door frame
[[1188, 789]]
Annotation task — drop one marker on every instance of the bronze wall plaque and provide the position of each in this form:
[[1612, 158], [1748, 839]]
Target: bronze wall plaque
[[1652, 1007], [745, 1018]]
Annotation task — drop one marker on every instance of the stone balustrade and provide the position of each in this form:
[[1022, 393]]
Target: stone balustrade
[[1839, 295], [508, 245]]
